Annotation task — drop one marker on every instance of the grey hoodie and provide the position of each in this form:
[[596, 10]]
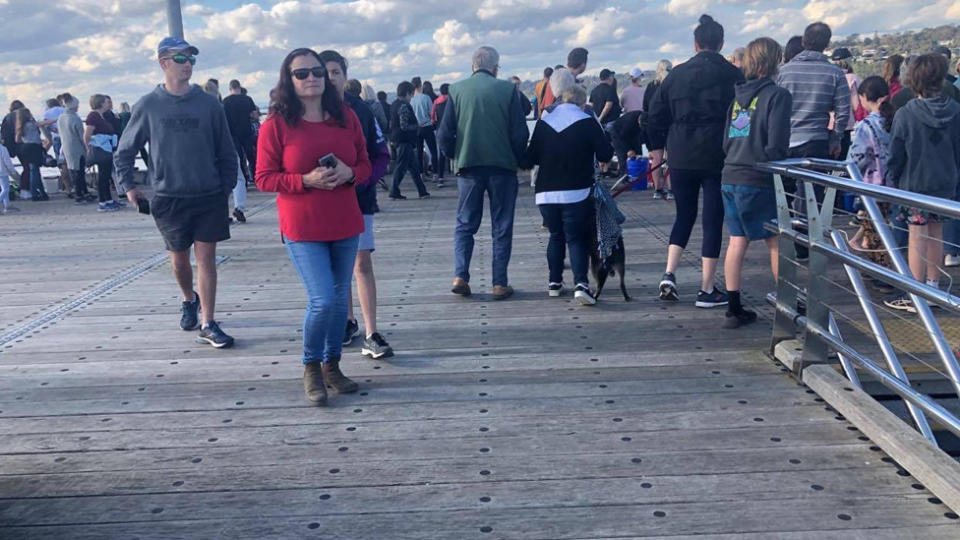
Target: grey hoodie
[[191, 151], [925, 147]]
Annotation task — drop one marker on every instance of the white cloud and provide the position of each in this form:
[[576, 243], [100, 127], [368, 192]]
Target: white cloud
[[107, 46]]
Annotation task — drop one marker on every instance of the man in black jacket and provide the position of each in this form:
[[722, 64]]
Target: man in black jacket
[[404, 127]]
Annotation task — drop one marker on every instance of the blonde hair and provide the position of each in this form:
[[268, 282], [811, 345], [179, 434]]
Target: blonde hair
[[761, 59], [124, 107], [211, 88], [368, 94], [663, 69], [97, 101], [575, 95], [561, 81]]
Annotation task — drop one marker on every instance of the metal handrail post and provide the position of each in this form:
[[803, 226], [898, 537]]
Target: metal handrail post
[[883, 340], [848, 368], [783, 326], [815, 349]]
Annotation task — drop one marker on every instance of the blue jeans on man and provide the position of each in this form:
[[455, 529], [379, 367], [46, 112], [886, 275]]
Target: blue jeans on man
[[500, 185]]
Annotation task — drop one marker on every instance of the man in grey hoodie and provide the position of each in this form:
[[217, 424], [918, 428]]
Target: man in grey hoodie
[[192, 169]]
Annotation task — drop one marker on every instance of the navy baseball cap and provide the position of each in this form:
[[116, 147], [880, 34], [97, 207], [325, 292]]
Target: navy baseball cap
[[175, 44]]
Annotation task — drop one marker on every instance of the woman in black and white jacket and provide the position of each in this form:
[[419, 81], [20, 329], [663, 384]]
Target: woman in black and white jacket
[[565, 144]]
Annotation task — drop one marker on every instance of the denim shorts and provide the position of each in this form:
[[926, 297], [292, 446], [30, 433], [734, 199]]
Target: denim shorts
[[366, 242], [747, 208]]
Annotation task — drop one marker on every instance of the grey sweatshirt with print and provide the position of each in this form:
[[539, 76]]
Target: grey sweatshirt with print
[[191, 151]]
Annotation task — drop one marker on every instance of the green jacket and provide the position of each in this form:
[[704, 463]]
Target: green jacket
[[483, 125]]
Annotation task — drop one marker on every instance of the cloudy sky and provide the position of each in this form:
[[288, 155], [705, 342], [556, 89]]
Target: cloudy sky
[[108, 46]]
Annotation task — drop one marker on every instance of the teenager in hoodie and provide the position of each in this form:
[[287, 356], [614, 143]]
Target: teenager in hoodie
[[925, 158], [686, 117], [757, 130]]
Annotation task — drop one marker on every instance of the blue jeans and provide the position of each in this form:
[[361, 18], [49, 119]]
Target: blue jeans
[[570, 227], [325, 268], [36, 182], [951, 237], [502, 190]]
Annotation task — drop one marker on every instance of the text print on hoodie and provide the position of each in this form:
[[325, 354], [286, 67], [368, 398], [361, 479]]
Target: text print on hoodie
[[758, 130], [925, 147], [191, 150]]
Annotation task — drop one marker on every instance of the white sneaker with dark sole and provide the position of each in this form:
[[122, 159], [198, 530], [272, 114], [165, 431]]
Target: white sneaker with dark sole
[[583, 296]]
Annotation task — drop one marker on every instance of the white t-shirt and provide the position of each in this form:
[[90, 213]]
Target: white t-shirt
[[53, 113]]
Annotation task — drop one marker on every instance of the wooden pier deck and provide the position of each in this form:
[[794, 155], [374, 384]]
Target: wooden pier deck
[[529, 418]]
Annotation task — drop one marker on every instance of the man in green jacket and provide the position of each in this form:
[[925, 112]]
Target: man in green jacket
[[483, 129]]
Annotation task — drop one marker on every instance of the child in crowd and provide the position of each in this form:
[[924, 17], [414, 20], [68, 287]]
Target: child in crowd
[[925, 159], [757, 130], [869, 150]]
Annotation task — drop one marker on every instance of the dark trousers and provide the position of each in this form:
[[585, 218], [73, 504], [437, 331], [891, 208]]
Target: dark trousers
[[570, 228], [79, 178], [687, 184], [104, 165], [247, 155], [427, 134], [502, 190], [406, 160]]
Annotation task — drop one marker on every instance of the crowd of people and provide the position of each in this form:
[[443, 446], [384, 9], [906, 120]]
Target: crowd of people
[[328, 142]]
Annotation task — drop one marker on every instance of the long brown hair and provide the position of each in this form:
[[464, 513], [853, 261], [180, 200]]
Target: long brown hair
[[891, 67], [22, 117], [287, 104]]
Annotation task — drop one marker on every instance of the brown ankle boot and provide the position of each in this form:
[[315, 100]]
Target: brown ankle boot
[[313, 385], [336, 379]]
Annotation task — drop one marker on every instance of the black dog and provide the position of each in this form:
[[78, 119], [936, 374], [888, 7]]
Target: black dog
[[616, 263]]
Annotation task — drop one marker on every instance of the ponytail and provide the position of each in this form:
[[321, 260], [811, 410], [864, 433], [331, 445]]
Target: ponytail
[[874, 88], [887, 111]]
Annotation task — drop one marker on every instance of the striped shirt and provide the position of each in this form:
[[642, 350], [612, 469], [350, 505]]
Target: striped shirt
[[818, 87]]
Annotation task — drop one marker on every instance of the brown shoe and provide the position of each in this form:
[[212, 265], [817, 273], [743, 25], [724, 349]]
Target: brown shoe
[[502, 292], [313, 385], [336, 379], [461, 287]]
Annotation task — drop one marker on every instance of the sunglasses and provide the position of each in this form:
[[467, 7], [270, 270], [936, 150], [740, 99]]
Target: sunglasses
[[183, 58], [302, 74]]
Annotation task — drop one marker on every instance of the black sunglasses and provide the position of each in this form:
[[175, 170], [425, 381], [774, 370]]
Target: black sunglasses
[[302, 74], [183, 58]]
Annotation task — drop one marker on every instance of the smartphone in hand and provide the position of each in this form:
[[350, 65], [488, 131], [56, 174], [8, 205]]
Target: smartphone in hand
[[329, 161], [143, 206]]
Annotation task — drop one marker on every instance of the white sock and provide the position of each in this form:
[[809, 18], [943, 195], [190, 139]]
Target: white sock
[[933, 283]]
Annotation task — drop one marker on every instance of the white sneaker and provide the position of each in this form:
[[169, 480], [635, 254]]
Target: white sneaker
[[555, 289], [951, 260], [583, 295]]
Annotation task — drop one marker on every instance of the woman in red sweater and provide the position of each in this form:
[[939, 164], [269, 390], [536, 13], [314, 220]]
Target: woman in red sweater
[[317, 206]]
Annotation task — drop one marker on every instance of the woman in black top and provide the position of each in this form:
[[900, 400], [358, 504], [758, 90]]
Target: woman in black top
[[686, 117], [564, 144]]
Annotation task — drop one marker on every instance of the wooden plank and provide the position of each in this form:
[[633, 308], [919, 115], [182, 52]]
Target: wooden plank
[[936, 470], [563, 522]]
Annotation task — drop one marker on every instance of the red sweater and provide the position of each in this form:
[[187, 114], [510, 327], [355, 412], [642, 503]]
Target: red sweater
[[285, 153]]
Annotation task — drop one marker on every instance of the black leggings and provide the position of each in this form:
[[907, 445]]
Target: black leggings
[[686, 191], [104, 176]]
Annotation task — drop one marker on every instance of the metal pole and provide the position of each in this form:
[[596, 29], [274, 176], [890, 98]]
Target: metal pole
[[883, 341], [174, 19]]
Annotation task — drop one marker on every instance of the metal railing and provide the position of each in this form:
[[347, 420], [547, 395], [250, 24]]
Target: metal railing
[[828, 250]]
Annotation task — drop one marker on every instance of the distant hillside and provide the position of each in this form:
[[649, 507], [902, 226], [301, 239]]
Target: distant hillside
[[869, 52]]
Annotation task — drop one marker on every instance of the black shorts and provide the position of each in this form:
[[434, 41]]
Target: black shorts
[[184, 221]]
